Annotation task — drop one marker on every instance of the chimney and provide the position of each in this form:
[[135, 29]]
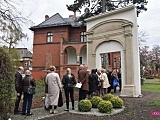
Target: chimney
[[46, 17], [73, 16]]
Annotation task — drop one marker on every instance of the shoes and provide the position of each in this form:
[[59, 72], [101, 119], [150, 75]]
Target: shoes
[[29, 114], [46, 108], [17, 112], [51, 111], [66, 110], [72, 108], [55, 111], [23, 114]]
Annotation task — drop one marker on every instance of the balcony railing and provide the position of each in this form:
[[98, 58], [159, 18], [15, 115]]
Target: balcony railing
[[74, 40]]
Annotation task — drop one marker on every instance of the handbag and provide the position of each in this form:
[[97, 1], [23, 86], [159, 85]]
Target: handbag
[[60, 99], [115, 82], [31, 89]]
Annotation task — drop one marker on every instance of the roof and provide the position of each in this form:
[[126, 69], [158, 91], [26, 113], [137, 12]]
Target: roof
[[58, 20], [24, 53]]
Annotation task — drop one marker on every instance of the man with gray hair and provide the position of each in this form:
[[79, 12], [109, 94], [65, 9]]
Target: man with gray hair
[[18, 88]]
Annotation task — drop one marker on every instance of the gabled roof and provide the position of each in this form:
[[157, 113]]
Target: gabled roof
[[24, 53], [57, 20]]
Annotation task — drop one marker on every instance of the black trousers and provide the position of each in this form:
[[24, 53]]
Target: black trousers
[[120, 84], [18, 99], [69, 92], [82, 94]]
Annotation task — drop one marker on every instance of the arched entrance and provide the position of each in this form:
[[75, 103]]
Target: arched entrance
[[105, 55], [70, 55], [83, 56], [116, 32]]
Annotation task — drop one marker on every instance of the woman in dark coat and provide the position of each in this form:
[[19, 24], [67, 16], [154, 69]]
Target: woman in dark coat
[[69, 81], [93, 83], [27, 99]]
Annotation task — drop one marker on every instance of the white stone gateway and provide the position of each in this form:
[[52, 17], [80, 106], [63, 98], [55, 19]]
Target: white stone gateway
[[116, 31]]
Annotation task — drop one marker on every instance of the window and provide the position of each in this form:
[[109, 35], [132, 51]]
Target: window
[[49, 37], [80, 60], [25, 64], [105, 60], [83, 36]]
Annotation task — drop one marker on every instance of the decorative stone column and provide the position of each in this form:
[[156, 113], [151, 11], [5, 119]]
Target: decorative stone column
[[78, 58], [128, 89]]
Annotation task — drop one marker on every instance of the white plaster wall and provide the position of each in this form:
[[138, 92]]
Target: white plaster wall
[[128, 13], [83, 54], [71, 56]]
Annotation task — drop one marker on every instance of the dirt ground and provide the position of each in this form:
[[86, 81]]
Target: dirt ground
[[135, 109]]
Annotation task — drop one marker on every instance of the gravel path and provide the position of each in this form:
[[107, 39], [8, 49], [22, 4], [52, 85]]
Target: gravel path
[[135, 109]]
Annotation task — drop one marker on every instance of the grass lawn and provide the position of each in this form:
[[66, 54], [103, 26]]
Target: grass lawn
[[151, 87]]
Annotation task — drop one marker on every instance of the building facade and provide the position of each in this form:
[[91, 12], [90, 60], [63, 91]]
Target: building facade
[[62, 42], [25, 58]]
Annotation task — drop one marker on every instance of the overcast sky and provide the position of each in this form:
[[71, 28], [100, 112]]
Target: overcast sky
[[36, 10]]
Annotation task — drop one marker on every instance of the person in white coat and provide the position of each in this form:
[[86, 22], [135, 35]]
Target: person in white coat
[[105, 81], [54, 85]]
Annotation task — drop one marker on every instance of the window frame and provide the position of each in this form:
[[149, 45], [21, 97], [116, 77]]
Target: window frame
[[83, 37], [49, 37]]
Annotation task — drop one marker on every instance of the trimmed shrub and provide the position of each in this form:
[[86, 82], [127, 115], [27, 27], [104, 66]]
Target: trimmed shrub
[[95, 101], [107, 97], [84, 106], [117, 102], [105, 106]]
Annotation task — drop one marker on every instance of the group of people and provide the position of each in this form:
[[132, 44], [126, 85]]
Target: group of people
[[98, 82], [21, 87], [53, 86], [94, 83]]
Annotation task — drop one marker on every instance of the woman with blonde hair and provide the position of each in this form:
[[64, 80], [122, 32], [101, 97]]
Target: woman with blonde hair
[[69, 81], [105, 81], [28, 96]]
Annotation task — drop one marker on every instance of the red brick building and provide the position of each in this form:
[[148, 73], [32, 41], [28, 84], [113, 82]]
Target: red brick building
[[61, 42]]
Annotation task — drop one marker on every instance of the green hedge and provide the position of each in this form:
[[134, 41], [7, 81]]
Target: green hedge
[[84, 106], [105, 106], [95, 101]]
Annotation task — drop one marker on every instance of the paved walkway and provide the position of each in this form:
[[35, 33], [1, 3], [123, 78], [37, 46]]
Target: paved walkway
[[41, 113]]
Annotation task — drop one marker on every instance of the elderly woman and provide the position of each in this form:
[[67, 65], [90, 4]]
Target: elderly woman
[[54, 85], [105, 81], [27, 99], [69, 81]]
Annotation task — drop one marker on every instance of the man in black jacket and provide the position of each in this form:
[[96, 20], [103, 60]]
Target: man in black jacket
[[18, 88]]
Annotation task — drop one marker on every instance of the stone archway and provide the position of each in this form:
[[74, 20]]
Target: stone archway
[[114, 31]]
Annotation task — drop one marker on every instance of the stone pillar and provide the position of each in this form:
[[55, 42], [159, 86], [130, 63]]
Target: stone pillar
[[78, 58], [61, 57], [91, 56], [129, 87]]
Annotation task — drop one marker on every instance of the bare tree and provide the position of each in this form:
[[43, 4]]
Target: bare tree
[[156, 57], [10, 23]]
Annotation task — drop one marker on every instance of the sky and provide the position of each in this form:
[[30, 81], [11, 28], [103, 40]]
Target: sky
[[35, 10]]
